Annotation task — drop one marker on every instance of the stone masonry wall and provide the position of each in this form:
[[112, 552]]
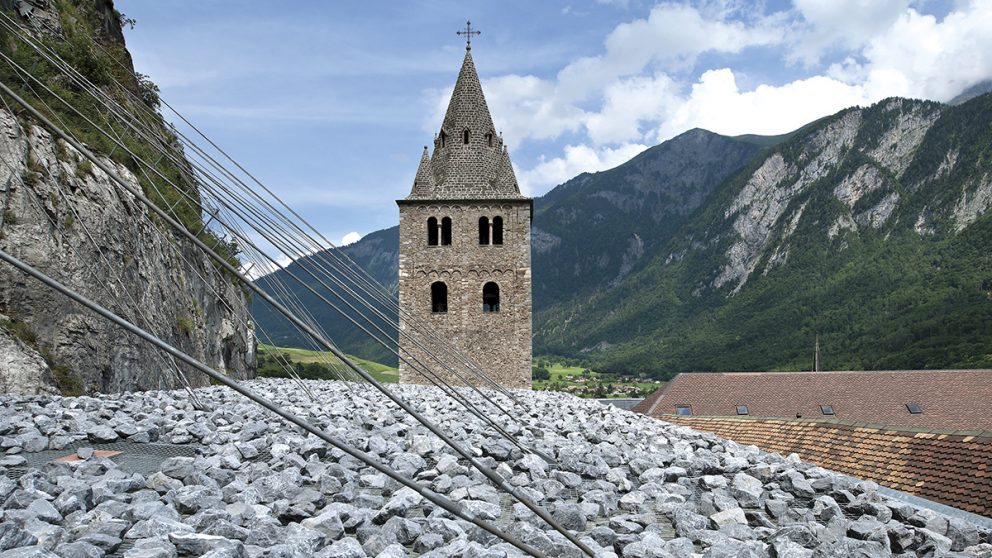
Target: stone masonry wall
[[499, 341]]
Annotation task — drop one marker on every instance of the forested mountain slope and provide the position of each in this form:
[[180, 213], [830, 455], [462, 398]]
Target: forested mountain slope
[[870, 228]]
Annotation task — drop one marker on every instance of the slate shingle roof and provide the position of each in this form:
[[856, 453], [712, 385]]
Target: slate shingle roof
[[950, 467], [950, 399], [478, 169]]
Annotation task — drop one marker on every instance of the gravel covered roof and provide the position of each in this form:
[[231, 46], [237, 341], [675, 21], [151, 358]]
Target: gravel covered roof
[[241, 483]]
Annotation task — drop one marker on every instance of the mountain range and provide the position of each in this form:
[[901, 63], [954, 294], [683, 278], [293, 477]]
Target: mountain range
[[868, 229]]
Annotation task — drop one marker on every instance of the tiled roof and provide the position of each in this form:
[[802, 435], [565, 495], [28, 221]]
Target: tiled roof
[[950, 399], [950, 467]]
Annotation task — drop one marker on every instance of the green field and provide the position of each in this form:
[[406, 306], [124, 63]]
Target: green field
[[589, 383], [318, 365]]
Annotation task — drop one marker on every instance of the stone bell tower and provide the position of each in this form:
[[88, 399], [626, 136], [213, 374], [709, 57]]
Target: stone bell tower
[[465, 247]]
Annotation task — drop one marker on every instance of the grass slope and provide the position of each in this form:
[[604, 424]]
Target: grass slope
[[318, 365]]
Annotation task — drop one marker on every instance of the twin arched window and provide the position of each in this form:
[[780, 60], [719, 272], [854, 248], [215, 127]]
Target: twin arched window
[[490, 232], [439, 297], [436, 233]]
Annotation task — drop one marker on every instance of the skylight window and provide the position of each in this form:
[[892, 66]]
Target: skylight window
[[914, 408], [683, 410], [742, 409], [827, 410]]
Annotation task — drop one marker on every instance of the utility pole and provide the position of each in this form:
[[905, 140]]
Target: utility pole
[[816, 354]]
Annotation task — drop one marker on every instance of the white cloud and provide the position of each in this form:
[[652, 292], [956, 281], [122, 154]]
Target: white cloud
[[846, 24], [576, 160], [626, 105], [930, 58], [672, 36], [350, 238], [716, 104]]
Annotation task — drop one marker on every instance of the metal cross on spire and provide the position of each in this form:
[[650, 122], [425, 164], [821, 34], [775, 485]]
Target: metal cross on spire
[[468, 33]]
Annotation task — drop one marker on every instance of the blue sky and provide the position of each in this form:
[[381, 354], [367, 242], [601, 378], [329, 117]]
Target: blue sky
[[331, 103]]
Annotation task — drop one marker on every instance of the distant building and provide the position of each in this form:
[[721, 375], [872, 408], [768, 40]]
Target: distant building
[[924, 432], [464, 264], [945, 399]]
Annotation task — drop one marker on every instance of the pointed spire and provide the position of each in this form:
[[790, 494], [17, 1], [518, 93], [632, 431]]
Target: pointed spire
[[467, 109], [423, 183], [469, 160]]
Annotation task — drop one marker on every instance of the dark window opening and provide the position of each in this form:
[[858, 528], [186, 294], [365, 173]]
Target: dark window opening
[[683, 410], [439, 297], [497, 230], [444, 138], [914, 408], [742, 409], [827, 409], [465, 137], [446, 231], [489, 139], [432, 231], [490, 297], [483, 230]]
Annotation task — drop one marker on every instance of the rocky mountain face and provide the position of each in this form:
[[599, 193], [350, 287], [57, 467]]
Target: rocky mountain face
[[596, 229], [869, 228], [63, 215]]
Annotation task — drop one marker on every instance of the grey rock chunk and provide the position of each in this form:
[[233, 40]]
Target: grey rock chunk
[[651, 546], [42, 509], [785, 548], [329, 523], [198, 544], [102, 434], [867, 528], [729, 517], [570, 516], [401, 530], [28, 552], [79, 550], [344, 548], [747, 490], [12, 536]]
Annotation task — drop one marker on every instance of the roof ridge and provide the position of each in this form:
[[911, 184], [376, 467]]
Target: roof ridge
[[837, 422]]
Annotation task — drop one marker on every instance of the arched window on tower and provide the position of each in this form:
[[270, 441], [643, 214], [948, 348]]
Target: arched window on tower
[[497, 230], [465, 137], [432, 231], [444, 138], [446, 231], [490, 298], [489, 139], [483, 231], [439, 297]]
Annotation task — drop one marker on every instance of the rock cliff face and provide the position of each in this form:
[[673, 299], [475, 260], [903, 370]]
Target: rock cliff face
[[54, 203], [66, 217]]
